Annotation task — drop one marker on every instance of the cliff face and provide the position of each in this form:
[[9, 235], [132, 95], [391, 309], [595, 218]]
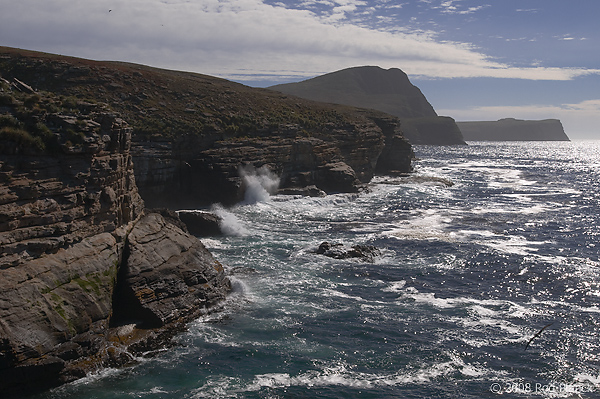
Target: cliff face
[[75, 246], [299, 157], [388, 91], [192, 133], [510, 129]]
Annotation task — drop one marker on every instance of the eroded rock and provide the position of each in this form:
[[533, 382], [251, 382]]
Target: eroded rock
[[168, 275]]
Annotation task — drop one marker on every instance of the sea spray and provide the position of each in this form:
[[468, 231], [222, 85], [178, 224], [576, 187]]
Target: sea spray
[[229, 223], [259, 183]]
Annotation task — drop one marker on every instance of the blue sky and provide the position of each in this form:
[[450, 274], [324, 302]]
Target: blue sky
[[474, 60]]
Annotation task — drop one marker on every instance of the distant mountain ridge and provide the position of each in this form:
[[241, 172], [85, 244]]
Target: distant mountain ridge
[[510, 129], [388, 91]]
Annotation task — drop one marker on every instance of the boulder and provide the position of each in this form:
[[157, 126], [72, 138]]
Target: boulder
[[201, 224], [307, 191], [337, 177]]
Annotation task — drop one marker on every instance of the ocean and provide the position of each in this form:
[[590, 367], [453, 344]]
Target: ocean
[[486, 284]]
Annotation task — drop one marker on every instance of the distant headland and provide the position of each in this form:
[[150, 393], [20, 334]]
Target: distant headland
[[510, 129], [386, 90]]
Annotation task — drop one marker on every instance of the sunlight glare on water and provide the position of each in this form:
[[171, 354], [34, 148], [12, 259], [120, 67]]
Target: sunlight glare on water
[[479, 250]]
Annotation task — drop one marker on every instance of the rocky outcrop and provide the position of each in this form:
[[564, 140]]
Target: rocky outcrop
[[85, 278], [49, 201], [511, 129], [389, 91], [200, 223], [366, 253], [167, 276], [101, 302]]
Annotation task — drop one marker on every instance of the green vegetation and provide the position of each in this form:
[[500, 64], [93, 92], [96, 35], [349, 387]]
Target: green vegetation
[[28, 127], [162, 105], [21, 138]]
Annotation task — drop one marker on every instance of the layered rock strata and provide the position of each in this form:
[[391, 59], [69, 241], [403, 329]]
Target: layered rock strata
[[85, 277]]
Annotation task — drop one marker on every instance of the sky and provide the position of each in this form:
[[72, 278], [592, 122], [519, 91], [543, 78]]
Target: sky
[[473, 60]]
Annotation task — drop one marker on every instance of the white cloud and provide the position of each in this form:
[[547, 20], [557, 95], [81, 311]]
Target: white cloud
[[235, 38], [580, 121]]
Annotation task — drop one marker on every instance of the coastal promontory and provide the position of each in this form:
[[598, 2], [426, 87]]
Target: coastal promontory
[[511, 129], [192, 132], [388, 91]]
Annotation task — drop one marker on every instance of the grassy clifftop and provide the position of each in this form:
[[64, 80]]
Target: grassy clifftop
[[160, 103]]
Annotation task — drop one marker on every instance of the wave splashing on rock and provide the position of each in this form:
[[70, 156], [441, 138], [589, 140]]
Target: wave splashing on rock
[[260, 183]]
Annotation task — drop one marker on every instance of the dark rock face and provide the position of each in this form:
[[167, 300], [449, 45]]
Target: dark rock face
[[339, 159], [397, 154], [201, 224], [439, 130], [389, 91], [168, 276], [510, 129]]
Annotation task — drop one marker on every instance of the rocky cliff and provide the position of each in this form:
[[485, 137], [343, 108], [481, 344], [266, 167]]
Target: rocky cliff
[[388, 91], [511, 129], [192, 133], [85, 277]]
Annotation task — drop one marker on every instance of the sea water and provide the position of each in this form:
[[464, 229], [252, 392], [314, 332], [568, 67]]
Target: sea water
[[487, 284]]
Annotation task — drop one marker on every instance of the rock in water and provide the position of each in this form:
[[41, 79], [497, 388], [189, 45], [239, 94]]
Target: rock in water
[[339, 251], [168, 276], [201, 224]]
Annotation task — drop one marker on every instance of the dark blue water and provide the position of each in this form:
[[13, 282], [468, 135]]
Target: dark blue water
[[483, 247]]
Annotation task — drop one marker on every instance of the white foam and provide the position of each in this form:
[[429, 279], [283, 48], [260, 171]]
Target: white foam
[[259, 183], [229, 223], [427, 225], [395, 286], [341, 375]]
